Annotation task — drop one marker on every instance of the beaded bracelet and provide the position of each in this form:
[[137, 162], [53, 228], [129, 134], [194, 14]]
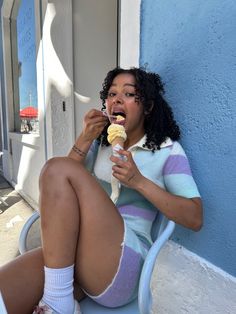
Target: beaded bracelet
[[78, 151]]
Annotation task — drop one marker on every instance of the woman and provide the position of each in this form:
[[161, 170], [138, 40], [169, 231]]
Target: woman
[[86, 238]]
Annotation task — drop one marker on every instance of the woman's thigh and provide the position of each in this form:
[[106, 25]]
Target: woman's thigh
[[124, 286]]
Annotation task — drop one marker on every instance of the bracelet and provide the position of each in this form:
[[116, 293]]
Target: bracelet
[[78, 151]]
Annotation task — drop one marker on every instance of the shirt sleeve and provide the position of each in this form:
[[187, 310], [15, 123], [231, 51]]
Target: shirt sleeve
[[177, 174]]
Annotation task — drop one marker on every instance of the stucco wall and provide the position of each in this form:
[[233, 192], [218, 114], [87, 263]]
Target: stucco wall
[[192, 45]]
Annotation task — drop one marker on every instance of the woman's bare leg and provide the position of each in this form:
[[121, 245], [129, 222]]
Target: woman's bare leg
[[21, 282]]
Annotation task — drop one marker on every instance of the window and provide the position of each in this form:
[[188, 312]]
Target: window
[[23, 41]]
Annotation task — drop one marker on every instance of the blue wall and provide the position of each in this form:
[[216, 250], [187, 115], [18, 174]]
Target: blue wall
[[192, 45]]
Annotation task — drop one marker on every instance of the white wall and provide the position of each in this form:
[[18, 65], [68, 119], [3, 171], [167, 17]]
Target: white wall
[[185, 283], [27, 159], [58, 77], [95, 51], [129, 33]]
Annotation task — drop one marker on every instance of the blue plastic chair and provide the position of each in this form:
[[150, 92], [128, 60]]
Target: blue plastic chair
[[161, 231], [25, 230]]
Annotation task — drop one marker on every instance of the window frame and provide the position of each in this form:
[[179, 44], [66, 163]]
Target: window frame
[[16, 65]]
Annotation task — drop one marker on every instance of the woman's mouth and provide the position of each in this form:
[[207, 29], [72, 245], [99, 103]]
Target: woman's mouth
[[119, 117]]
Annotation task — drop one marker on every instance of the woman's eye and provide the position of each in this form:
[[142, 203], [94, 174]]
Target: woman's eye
[[129, 94], [111, 94]]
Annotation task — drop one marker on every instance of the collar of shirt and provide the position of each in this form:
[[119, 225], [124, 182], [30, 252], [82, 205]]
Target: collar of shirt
[[139, 144]]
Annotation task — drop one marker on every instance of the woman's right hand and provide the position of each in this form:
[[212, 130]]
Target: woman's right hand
[[94, 123]]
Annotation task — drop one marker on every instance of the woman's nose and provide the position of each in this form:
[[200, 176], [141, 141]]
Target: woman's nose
[[118, 98]]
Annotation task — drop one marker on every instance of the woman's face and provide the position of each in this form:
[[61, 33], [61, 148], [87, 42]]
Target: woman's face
[[122, 99]]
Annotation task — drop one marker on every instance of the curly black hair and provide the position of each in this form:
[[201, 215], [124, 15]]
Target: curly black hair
[[159, 121]]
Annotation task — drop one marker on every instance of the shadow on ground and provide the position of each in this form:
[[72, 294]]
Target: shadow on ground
[[9, 199]]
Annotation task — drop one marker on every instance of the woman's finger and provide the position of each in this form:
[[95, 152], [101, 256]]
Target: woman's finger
[[117, 161], [94, 112], [126, 154]]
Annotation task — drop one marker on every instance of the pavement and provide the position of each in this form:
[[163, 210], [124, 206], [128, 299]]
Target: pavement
[[14, 212]]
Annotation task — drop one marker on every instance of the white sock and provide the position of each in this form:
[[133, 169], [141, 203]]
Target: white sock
[[58, 289]]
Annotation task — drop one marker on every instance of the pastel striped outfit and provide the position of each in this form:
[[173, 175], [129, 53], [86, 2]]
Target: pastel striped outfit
[[168, 168]]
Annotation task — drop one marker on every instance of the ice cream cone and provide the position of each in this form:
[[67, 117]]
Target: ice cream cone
[[118, 141], [116, 131], [117, 144], [116, 137]]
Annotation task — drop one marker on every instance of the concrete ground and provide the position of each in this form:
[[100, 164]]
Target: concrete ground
[[13, 215]]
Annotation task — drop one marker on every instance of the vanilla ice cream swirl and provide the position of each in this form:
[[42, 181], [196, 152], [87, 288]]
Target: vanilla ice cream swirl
[[114, 131]]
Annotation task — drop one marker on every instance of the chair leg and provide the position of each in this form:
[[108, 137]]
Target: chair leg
[[25, 231]]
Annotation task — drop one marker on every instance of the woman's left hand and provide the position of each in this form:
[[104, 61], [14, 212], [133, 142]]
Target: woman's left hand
[[125, 169]]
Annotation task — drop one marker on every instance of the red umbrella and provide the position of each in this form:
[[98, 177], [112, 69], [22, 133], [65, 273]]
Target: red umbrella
[[29, 112]]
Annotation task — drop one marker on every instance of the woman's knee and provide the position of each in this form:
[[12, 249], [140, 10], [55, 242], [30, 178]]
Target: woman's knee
[[59, 167], [53, 168]]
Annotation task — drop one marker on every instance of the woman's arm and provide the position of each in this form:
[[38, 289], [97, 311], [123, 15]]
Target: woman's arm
[[184, 211], [94, 123]]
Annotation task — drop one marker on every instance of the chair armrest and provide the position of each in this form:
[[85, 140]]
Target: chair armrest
[[25, 231], [144, 295]]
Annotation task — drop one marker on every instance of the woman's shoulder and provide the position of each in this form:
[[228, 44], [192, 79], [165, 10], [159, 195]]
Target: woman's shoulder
[[170, 148], [177, 148]]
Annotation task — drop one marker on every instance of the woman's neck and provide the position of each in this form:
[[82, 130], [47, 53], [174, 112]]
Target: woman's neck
[[133, 139]]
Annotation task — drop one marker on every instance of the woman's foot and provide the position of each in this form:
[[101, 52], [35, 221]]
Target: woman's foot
[[43, 308]]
